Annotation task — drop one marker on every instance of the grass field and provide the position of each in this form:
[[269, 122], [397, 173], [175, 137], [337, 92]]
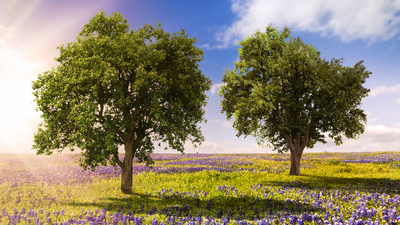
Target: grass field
[[333, 188]]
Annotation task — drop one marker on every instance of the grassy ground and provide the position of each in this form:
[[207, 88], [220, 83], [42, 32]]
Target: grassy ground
[[240, 195]]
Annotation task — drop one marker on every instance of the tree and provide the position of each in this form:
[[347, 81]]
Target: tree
[[114, 87], [283, 92]]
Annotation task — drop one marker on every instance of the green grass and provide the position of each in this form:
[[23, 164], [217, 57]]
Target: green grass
[[324, 174]]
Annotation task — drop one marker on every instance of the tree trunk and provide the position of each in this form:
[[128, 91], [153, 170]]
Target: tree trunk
[[295, 157], [127, 170], [126, 178]]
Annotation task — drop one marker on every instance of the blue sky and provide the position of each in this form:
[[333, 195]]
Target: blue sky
[[355, 30]]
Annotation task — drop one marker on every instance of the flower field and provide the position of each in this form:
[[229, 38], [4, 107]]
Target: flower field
[[333, 188]]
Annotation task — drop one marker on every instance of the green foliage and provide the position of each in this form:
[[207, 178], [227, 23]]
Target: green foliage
[[114, 86], [282, 92], [334, 162]]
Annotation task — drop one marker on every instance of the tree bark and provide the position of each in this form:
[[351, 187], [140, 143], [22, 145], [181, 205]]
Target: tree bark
[[127, 170], [296, 145], [295, 157]]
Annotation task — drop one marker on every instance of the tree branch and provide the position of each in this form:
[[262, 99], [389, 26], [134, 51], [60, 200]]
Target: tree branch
[[101, 102], [120, 134], [282, 132], [137, 111], [116, 159], [307, 132], [103, 121], [134, 116]]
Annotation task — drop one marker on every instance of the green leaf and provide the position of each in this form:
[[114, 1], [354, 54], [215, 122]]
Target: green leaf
[[114, 87], [281, 89]]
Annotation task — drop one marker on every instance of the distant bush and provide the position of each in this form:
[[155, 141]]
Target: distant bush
[[333, 162]]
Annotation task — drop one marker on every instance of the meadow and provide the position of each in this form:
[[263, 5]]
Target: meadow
[[333, 188]]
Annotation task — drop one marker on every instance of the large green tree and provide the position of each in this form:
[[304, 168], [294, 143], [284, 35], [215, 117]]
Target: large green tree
[[284, 94], [117, 87]]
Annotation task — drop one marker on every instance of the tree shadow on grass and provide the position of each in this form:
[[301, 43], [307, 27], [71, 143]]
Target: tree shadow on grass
[[235, 206], [220, 206], [377, 185]]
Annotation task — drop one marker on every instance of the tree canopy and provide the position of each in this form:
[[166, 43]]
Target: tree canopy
[[118, 87], [284, 94]]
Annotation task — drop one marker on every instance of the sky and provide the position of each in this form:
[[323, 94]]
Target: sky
[[355, 30]]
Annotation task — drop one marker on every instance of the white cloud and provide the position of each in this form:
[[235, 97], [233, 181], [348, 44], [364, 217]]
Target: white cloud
[[249, 150], [206, 46], [215, 87], [369, 113], [226, 124], [381, 133], [369, 20], [222, 123], [394, 113], [384, 89], [398, 101], [374, 138], [210, 146], [226, 148], [205, 147], [223, 146]]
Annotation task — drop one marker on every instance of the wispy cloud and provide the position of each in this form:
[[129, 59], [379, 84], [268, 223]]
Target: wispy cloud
[[348, 20], [222, 123], [226, 148], [375, 138], [215, 87], [384, 89], [206, 46], [372, 119], [369, 118], [208, 145]]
